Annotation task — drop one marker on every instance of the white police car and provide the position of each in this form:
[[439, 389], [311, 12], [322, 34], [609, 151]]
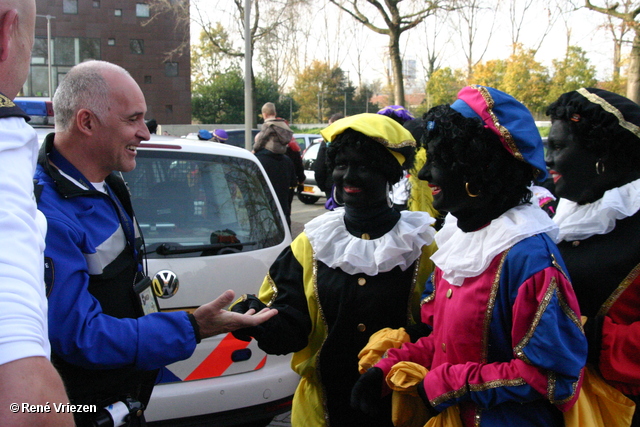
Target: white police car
[[211, 222]]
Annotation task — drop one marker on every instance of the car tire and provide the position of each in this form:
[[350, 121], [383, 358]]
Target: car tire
[[306, 199]]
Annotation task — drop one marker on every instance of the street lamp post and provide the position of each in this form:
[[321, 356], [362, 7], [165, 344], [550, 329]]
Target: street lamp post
[[49, 18]]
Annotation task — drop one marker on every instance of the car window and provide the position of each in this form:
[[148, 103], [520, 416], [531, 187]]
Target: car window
[[302, 142], [236, 137], [185, 200], [310, 156]]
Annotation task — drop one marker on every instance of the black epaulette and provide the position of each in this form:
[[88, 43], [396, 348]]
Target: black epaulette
[[8, 108]]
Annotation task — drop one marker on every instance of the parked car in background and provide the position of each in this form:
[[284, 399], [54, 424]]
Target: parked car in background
[[236, 137], [310, 192], [305, 140]]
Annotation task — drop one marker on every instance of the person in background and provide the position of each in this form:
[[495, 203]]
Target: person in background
[[594, 157], [270, 148], [26, 374], [350, 273], [107, 337], [420, 197], [295, 154], [204, 135], [152, 125], [323, 172], [220, 135], [401, 190], [506, 344]]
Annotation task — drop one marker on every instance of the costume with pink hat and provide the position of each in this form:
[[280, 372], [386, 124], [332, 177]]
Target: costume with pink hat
[[507, 346]]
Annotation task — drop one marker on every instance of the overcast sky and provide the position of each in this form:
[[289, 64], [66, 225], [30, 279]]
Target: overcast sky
[[335, 37]]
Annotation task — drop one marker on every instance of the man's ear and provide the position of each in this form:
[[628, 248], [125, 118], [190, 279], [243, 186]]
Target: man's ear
[[8, 23], [85, 121]]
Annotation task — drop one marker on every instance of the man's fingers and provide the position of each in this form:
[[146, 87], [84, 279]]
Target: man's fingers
[[223, 300]]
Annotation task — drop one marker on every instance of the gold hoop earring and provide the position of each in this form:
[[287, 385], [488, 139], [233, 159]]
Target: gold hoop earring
[[599, 167], [469, 193]]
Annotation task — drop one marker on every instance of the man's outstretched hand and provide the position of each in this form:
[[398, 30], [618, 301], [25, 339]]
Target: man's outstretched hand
[[213, 319]]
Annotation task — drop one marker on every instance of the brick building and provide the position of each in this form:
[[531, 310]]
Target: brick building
[[113, 30]]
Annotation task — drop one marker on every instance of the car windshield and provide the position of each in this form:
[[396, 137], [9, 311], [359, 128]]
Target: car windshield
[[202, 204]]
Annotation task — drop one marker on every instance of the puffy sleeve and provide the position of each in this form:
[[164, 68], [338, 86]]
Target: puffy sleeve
[[536, 347], [620, 340], [283, 288]]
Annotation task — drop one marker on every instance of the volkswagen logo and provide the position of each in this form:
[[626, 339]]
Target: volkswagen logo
[[165, 284]]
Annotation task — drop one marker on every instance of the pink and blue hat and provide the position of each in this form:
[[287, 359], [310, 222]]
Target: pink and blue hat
[[511, 121]]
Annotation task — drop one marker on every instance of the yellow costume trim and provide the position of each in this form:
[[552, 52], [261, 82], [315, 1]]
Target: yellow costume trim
[[378, 127]]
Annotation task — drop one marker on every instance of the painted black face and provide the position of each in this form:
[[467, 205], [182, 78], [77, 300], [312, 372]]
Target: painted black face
[[448, 189], [573, 168], [358, 183]]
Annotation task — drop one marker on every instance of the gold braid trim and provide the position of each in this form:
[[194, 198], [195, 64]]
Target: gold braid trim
[[592, 97], [274, 288], [504, 132], [619, 290], [546, 299], [515, 382], [490, 305], [6, 102], [432, 295]]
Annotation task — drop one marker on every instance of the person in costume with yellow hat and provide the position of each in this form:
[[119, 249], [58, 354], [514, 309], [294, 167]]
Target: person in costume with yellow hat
[[507, 346], [352, 272]]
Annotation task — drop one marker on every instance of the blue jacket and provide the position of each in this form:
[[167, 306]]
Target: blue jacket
[[101, 344]]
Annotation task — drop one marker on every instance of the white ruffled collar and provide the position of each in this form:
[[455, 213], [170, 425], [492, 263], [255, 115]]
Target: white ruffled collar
[[337, 248], [579, 222], [461, 255]]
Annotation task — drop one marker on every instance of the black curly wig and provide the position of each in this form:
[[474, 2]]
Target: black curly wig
[[379, 157], [599, 131], [466, 148]]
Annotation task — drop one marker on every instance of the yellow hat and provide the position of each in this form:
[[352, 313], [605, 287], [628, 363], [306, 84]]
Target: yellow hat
[[378, 127]]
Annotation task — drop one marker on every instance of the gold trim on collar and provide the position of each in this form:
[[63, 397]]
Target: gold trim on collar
[[6, 102]]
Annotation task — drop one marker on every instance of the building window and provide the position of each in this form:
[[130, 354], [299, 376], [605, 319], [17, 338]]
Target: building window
[[136, 46], [70, 6], [96, 3], [111, 42], [171, 69], [142, 10], [118, 12], [147, 79]]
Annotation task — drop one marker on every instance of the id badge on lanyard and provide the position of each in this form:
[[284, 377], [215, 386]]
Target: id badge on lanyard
[[147, 297], [143, 289]]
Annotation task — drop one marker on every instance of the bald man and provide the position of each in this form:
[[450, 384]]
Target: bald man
[[106, 349], [26, 374]]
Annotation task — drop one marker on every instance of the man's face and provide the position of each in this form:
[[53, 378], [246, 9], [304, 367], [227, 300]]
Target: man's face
[[120, 132]]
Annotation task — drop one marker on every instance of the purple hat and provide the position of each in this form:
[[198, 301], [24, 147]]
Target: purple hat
[[509, 119], [220, 135], [398, 111]]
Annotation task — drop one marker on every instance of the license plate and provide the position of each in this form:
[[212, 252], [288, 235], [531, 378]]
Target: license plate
[[308, 189]]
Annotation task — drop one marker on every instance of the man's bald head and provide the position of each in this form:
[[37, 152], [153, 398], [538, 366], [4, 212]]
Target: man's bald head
[[17, 24]]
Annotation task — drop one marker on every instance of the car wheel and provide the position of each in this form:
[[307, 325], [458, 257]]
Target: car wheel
[[306, 199]]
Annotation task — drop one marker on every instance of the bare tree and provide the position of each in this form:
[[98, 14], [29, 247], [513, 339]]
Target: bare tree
[[396, 22], [468, 21], [519, 10], [628, 16]]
